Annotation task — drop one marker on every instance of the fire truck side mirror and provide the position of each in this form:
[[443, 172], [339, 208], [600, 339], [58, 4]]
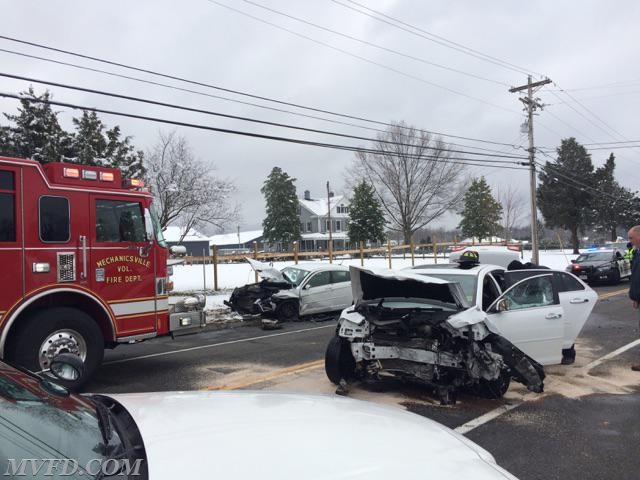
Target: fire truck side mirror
[[67, 366], [148, 225]]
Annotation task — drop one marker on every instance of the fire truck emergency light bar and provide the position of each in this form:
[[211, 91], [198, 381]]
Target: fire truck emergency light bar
[[70, 172]]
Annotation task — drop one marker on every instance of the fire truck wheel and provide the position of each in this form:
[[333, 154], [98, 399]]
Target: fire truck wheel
[[47, 333]]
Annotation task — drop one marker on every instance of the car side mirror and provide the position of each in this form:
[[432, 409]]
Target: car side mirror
[[502, 305], [306, 287], [573, 260]]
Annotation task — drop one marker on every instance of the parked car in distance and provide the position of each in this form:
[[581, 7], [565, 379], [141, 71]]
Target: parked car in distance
[[601, 265], [230, 435], [296, 291], [490, 254]]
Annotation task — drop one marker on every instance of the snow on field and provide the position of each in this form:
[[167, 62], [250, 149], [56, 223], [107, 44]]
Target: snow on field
[[230, 275]]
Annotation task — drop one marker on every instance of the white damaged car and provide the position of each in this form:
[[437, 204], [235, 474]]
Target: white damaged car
[[225, 435], [439, 327], [296, 291]]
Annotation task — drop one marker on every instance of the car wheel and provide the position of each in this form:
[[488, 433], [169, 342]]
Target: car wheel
[[568, 355], [615, 276], [339, 363], [494, 388], [287, 311], [47, 333]]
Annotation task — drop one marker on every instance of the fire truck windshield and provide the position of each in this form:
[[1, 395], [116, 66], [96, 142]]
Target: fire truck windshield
[[156, 228]]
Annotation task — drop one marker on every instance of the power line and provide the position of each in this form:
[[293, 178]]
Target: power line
[[234, 117], [364, 59], [432, 37], [374, 45], [249, 134], [215, 87], [581, 114]]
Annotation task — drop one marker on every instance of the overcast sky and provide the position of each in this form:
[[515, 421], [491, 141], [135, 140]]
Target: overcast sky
[[576, 44]]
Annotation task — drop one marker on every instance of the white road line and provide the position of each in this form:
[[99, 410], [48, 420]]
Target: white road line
[[487, 417], [611, 355], [212, 345], [495, 413]]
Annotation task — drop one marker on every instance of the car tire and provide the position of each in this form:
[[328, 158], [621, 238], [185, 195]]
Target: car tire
[[568, 355], [615, 276], [287, 311], [494, 389], [61, 330], [339, 363]]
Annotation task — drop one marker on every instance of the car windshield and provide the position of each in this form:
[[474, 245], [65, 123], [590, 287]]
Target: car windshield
[[467, 282], [595, 257], [294, 275], [40, 420]]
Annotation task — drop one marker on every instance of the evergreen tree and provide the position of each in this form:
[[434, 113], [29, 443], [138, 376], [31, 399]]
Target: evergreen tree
[[563, 203], [94, 144], [366, 220], [614, 205], [282, 223], [482, 212], [36, 132]]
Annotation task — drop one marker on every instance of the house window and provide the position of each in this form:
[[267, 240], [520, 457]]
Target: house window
[[327, 225], [309, 227], [343, 209], [338, 226]]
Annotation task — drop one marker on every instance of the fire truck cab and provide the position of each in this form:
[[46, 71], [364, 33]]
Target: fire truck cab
[[83, 265]]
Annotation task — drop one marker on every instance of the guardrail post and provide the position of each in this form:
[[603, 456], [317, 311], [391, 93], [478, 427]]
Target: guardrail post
[[413, 257], [361, 253], [389, 252], [295, 252], [255, 257], [435, 250], [215, 267]]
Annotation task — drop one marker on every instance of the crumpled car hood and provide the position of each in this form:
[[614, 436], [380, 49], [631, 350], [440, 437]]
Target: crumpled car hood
[[373, 284], [233, 435], [265, 270]]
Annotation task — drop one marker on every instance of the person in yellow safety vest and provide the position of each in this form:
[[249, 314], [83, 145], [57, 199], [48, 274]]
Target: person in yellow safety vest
[[629, 253]]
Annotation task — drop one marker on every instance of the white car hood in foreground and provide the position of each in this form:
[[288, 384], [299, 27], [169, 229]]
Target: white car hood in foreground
[[258, 435], [377, 283]]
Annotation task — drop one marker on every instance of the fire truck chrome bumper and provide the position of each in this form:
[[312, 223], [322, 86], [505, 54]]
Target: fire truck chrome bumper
[[183, 323]]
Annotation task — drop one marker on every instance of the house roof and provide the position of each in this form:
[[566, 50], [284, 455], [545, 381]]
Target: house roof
[[319, 206], [173, 234], [232, 238]]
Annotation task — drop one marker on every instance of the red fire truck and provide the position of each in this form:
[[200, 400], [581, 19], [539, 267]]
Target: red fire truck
[[83, 265]]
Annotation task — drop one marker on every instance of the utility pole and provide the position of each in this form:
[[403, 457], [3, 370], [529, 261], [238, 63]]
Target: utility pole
[[330, 244], [531, 105]]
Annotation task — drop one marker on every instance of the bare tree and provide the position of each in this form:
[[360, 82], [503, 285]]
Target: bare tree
[[513, 204], [186, 190], [413, 177]]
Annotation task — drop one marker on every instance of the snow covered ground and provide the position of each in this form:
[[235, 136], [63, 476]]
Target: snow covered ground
[[189, 278]]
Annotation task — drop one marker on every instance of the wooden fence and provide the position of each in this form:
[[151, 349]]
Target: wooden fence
[[435, 250]]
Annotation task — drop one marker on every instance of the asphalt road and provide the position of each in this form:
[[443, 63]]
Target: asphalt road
[[586, 425]]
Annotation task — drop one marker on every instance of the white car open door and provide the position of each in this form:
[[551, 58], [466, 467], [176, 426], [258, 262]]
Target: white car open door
[[529, 315]]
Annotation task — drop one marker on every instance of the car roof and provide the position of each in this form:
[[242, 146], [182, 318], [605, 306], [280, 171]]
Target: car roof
[[454, 269], [317, 266]]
